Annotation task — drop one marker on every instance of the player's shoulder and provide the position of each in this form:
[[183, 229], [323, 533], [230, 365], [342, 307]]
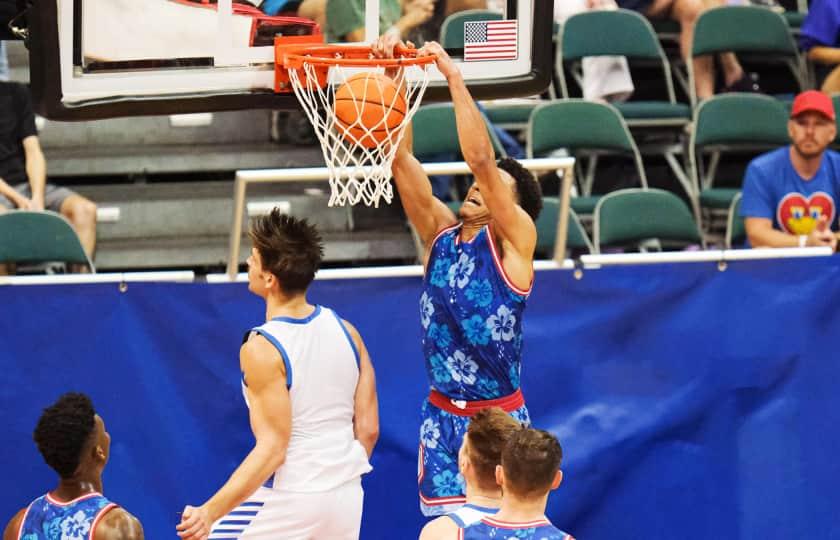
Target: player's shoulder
[[118, 524], [439, 528], [10, 533]]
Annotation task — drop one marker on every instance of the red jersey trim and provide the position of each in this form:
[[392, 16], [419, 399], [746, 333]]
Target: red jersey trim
[[499, 524], [501, 269], [56, 502]]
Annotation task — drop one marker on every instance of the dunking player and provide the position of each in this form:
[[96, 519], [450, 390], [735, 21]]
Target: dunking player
[[479, 273], [530, 469], [487, 433], [309, 385], [72, 439]]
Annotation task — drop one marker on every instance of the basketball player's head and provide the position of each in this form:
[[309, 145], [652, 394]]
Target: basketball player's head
[[481, 451], [524, 185], [72, 437], [530, 465], [286, 254]]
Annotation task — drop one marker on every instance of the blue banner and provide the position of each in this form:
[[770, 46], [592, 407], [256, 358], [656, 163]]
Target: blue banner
[[689, 401]]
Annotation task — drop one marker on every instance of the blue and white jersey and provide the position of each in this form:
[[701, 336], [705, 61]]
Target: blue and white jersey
[[469, 514], [322, 371], [50, 519], [490, 528], [471, 315]]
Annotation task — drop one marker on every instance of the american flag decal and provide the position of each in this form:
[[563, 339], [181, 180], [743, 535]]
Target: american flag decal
[[490, 40]]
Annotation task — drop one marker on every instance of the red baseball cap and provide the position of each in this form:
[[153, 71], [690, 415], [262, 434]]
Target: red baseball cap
[[813, 100]]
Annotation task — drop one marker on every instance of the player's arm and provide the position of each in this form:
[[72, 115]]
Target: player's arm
[[442, 528], [426, 212], [761, 233], [365, 401], [119, 525], [36, 170], [515, 226], [271, 419], [11, 532]]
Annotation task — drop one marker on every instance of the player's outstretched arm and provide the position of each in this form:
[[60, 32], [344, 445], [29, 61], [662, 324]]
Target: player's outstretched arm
[[118, 524], [366, 403], [516, 227], [426, 213], [11, 532], [271, 422]]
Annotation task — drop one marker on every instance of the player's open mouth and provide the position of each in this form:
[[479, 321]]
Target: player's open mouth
[[471, 200]]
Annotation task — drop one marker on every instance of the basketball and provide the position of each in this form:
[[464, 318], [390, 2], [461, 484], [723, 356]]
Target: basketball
[[368, 108]]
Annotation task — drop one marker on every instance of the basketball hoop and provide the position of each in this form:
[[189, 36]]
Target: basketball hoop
[[361, 130]]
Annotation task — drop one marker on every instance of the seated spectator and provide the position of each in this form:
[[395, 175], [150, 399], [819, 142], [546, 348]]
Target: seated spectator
[[686, 12], [430, 30], [23, 169], [820, 37], [74, 443], [605, 78], [314, 10], [530, 469], [480, 453], [346, 18], [790, 195]]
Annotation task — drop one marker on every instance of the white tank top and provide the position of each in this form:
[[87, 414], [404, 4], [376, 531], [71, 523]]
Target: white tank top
[[322, 371], [470, 514]]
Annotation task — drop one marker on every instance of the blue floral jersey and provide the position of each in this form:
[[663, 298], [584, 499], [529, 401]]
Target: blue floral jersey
[[48, 519], [472, 319], [491, 528]]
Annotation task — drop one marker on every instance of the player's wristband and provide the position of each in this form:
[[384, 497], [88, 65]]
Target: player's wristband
[[803, 240]]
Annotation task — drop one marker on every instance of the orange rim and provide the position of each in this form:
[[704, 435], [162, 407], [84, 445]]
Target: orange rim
[[351, 56]]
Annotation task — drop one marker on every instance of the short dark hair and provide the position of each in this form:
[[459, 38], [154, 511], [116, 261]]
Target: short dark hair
[[64, 430], [488, 431], [290, 248], [528, 189], [530, 460]]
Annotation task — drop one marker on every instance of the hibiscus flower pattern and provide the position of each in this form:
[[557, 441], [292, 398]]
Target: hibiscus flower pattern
[[488, 388], [440, 373], [440, 272], [440, 334], [460, 272], [476, 330], [448, 484], [427, 309], [430, 433], [480, 293], [462, 368], [502, 325]]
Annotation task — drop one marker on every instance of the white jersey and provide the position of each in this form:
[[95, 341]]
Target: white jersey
[[322, 371], [469, 514]]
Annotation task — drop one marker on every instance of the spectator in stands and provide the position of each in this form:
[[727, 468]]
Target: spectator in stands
[[23, 169], [820, 37], [72, 439], [314, 10], [790, 195], [430, 30], [605, 78], [530, 469], [686, 12], [346, 18], [481, 452]]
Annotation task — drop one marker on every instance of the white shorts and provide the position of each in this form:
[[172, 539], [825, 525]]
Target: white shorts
[[271, 514]]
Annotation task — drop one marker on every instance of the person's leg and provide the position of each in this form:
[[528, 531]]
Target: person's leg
[[82, 215], [732, 70], [686, 12], [831, 83], [341, 511]]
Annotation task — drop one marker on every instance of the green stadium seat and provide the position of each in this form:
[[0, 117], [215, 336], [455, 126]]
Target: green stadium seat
[[39, 237], [736, 232], [584, 128], [628, 217]]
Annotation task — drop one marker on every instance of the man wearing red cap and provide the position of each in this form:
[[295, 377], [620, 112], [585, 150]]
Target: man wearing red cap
[[790, 195]]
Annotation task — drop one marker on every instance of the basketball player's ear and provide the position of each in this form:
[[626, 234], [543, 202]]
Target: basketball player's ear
[[500, 475], [558, 477]]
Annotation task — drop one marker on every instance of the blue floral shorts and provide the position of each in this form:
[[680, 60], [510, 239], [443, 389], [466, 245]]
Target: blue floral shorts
[[441, 434]]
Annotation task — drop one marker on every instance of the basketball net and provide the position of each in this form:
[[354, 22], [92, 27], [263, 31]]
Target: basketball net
[[359, 172]]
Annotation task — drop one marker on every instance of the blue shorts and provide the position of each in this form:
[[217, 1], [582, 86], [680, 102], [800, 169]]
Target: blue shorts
[[441, 434]]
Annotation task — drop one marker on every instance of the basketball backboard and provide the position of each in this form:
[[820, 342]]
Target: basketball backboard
[[94, 59]]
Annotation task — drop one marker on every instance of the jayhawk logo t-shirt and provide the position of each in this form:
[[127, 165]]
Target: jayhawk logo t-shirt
[[774, 190]]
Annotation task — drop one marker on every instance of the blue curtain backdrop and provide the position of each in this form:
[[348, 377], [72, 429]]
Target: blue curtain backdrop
[[690, 402]]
